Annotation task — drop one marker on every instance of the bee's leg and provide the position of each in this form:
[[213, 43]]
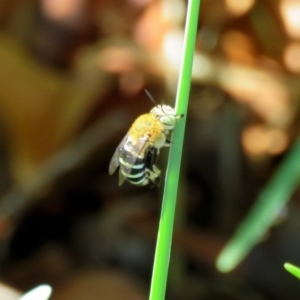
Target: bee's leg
[[153, 175], [156, 170], [168, 143], [155, 182], [145, 182], [149, 174]]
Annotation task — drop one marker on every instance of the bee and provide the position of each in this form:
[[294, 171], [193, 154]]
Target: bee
[[138, 153]]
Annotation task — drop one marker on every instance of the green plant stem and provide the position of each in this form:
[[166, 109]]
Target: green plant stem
[[165, 232], [264, 212]]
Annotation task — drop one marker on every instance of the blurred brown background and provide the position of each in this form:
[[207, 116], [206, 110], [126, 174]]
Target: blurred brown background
[[72, 80]]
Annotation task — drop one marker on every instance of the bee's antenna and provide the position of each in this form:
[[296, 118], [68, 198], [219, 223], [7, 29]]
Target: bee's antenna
[[150, 96]]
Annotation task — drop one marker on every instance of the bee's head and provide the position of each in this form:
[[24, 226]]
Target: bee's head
[[166, 115]]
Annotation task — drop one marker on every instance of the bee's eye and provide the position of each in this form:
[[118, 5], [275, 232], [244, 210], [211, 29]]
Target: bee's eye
[[168, 120], [167, 110]]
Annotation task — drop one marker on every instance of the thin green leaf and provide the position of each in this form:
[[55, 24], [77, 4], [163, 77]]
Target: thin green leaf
[[292, 269], [264, 212]]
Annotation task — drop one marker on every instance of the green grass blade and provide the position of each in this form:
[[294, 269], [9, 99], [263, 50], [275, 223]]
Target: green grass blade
[[292, 269], [164, 238], [264, 212]]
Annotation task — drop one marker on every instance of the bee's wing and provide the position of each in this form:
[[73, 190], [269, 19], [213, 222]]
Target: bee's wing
[[121, 178], [114, 162], [139, 147]]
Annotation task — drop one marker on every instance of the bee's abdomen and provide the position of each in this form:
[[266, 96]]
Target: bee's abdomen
[[132, 168]]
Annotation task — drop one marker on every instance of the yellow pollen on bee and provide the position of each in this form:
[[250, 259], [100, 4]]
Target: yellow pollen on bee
[[147, 126]]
